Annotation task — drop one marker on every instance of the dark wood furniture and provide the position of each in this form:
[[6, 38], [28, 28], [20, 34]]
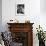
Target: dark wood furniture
[[22, 33]]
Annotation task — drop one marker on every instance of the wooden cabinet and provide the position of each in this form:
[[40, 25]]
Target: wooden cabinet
[[22, 33]]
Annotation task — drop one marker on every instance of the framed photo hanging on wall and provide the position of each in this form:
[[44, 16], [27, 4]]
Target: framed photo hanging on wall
[[20, 9]]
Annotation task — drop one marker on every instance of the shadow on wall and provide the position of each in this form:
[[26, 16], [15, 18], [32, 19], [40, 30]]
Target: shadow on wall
[[0, 15], [43, 6]]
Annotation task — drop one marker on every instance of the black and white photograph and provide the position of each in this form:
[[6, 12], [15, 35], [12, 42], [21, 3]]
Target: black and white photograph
[[20, 9]]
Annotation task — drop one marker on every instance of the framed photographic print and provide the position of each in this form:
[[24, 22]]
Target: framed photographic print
[[20, 9]]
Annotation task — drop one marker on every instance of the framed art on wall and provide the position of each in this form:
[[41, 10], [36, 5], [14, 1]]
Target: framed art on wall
[[20, 9]]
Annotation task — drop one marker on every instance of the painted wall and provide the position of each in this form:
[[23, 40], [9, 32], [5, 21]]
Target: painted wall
[[43, 14], [43, 6], [0, 15], [32, 13]]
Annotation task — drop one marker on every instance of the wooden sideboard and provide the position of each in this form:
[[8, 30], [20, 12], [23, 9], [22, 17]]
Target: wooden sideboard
[[22, 33]]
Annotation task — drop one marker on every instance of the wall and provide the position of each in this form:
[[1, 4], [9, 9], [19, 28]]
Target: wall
[[43, 6], [33, 12], [43, 14], [0, 15], [32, 8]]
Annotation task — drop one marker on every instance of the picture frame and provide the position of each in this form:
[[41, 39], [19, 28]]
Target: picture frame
[[20, 9]]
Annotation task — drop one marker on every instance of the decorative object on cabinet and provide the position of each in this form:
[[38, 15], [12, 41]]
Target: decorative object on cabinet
[[13, 21], [27, 21], [22, 33]]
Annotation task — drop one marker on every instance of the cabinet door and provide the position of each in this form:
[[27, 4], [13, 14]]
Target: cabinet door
[[20, 37]]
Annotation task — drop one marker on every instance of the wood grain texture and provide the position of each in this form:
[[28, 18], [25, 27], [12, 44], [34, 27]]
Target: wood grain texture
[[22, 27]]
